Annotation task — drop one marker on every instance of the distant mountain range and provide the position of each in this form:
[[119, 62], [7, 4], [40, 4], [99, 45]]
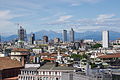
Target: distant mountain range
[[84, 35]]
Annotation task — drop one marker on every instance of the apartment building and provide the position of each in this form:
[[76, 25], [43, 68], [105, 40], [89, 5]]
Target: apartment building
[[49, 71]]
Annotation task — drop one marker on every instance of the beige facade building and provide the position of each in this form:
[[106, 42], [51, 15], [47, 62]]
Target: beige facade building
[[48, 71]]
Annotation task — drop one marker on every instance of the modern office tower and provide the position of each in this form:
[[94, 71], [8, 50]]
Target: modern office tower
[[105, 39], [71, 35], [45, 39], [32, 38], [22, 34], [64, 35]]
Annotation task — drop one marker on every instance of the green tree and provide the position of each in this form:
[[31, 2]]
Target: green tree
[[93, 65], [76, 56], [84, 56], [79, 56], [97, 45]]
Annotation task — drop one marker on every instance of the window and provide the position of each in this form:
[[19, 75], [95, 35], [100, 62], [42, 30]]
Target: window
[[57, 79], [49, 72], [43, 72], [56, 73]]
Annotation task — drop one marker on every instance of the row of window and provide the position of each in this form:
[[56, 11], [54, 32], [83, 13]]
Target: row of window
[[40, 73], [37, 78]]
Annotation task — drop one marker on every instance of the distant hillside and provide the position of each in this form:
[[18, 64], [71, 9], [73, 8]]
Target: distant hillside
[[85, 35]]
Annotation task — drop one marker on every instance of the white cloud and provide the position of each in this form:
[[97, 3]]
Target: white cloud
[[64, 18], [6, 24], [44, 18], [104, 21], [75, 4], [78, 2], [90, 1], [6, 15], [105, 16]]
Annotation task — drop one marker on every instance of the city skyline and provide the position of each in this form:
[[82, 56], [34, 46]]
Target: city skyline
[[59, 40], [57, 15]]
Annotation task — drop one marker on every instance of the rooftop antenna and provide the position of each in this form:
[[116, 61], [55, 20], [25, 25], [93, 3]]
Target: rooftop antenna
[[18, 25]]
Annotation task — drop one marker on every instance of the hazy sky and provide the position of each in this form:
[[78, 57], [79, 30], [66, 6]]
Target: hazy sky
[[56, 15]]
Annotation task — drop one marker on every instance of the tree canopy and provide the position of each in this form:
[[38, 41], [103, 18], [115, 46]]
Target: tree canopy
[[97, 45]]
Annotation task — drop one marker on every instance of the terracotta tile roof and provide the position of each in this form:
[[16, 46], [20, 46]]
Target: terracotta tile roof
[[24, 54], [12, 78], [55, 54], [6, 63], [52, 55], [115, 55], [46, 58], [20, 50], [65, 55], [20, 54], [32, 57], [99, 54], [44, 54]]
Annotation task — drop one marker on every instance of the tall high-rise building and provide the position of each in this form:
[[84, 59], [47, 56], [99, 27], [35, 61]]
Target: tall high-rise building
[[22, 34], [45, 39], [105, 39], [64, 35], [32, 38], [71, 35]]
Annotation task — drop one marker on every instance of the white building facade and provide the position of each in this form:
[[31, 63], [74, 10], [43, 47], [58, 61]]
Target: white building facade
[[45, 74], [105, 39]]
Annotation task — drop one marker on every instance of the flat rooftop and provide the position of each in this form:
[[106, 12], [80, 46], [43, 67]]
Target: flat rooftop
[[51, 66], [30, 69]]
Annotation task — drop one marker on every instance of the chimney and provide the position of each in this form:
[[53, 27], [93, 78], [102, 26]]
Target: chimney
[[23, 61], [56, 64]]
